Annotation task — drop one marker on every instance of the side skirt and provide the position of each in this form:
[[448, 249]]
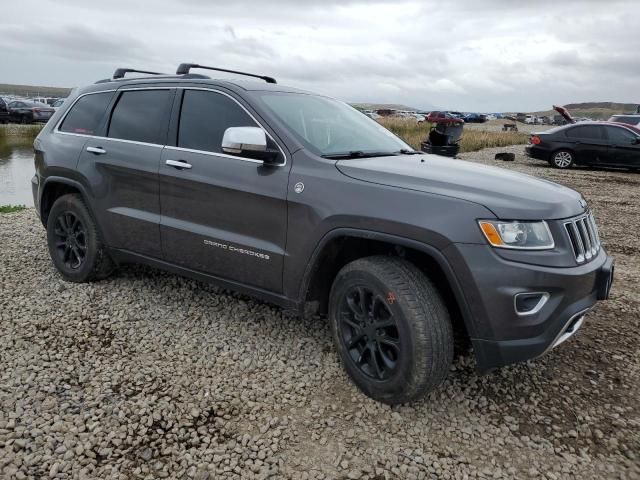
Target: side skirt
[[125, 256]]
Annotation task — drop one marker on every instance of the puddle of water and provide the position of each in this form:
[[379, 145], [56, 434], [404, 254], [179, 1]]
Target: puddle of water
[[16, 171]]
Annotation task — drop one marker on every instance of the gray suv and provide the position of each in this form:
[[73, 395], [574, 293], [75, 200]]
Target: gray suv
[[302, 201]]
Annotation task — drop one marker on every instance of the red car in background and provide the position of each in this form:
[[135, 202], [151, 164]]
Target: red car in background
[[443, 117]]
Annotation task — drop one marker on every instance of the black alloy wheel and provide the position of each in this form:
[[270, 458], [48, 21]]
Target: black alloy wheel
[[391, 328], [369, 333], [74, 242], [71, 240]]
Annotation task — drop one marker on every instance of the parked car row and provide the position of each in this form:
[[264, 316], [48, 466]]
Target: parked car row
[[435, 116], [18, 110]]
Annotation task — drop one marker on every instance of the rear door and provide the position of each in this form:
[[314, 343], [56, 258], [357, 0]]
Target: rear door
[[222, 215], [122, 168], [624, 150], [588, 143]]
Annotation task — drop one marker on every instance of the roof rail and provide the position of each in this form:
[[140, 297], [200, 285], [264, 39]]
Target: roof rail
[[120, 72], [184, 68]]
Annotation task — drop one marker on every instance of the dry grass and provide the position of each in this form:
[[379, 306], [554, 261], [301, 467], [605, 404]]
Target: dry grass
[[26, 132], [472, 140]]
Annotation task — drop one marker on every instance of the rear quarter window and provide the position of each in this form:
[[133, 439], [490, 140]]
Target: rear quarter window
[[585, 131], [86, 114], [141, 116]]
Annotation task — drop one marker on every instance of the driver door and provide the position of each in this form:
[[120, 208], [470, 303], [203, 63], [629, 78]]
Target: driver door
[[624, 150], [221, 214]]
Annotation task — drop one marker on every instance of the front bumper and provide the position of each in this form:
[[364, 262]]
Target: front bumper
[[501, 336]]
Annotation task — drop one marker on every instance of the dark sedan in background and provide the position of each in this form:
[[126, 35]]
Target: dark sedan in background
[[588, 143], [4, 111], [24, 111]]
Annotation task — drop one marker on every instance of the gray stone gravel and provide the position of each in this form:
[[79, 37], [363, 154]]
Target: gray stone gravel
[[150, 375]]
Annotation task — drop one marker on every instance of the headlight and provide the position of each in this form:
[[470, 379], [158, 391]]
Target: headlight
[[522, 235]]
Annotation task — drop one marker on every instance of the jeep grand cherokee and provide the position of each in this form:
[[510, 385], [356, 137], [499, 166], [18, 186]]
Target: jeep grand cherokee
[[301, 200]]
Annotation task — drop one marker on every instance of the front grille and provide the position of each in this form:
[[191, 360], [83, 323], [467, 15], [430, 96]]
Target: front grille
[[584, 237]]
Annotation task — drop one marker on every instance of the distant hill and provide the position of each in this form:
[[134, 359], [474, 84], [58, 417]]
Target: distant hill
[[33, 90], [383, 106], [595, 110]]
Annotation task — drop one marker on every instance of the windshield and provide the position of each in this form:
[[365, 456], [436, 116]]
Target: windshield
[[329, 127]]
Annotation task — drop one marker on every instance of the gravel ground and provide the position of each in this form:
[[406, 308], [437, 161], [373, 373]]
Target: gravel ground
[[149, 375]]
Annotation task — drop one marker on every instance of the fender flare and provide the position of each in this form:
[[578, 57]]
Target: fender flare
[[72, 183], [429, 250]]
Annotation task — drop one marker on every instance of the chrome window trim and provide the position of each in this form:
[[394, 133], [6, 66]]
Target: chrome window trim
[[57, 127], [214, 154], [224, 155], [170, 147]]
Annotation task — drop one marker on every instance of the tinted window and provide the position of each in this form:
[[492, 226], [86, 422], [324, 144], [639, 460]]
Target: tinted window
[[141, 115], [204, 118], [86, 114], [631, 119], [620, 136], [585, 131]]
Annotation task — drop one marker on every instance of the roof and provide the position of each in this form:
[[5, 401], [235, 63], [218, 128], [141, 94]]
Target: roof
[[246, 85], [634, 128]]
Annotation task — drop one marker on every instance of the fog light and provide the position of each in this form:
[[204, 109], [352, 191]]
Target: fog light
[[530, 303]]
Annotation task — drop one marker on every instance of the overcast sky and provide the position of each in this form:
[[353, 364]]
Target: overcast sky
[[489, 55]]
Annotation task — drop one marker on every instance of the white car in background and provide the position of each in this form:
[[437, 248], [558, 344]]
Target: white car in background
[[58, 103]]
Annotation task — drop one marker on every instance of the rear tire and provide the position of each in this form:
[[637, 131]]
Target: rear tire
[[74, 242], [562, 159], [391, 329]]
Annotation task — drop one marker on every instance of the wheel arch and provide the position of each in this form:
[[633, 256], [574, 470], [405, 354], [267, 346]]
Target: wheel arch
[[341, 246], [54, 188]]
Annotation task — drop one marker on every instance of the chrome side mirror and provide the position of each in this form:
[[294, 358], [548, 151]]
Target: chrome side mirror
[[244, 140], [250, 142]]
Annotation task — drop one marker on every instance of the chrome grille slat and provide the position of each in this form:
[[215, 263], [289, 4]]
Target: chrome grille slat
[[584, 237]]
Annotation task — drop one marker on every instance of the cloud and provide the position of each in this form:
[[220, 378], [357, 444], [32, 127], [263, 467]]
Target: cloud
[[493, 55], [73, 41]]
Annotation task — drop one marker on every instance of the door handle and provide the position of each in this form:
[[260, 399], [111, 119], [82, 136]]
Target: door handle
[[179, 164], [96, 150]]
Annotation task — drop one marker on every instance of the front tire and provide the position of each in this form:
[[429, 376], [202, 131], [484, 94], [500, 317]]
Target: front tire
[[391, 329], [74, 242], [562, 159]]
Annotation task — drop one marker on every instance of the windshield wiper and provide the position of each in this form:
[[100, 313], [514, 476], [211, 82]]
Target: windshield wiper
[[404, 151], [357, 154]]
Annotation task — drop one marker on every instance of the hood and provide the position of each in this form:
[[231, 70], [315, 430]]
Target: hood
[[509, 195], [565, 113]]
